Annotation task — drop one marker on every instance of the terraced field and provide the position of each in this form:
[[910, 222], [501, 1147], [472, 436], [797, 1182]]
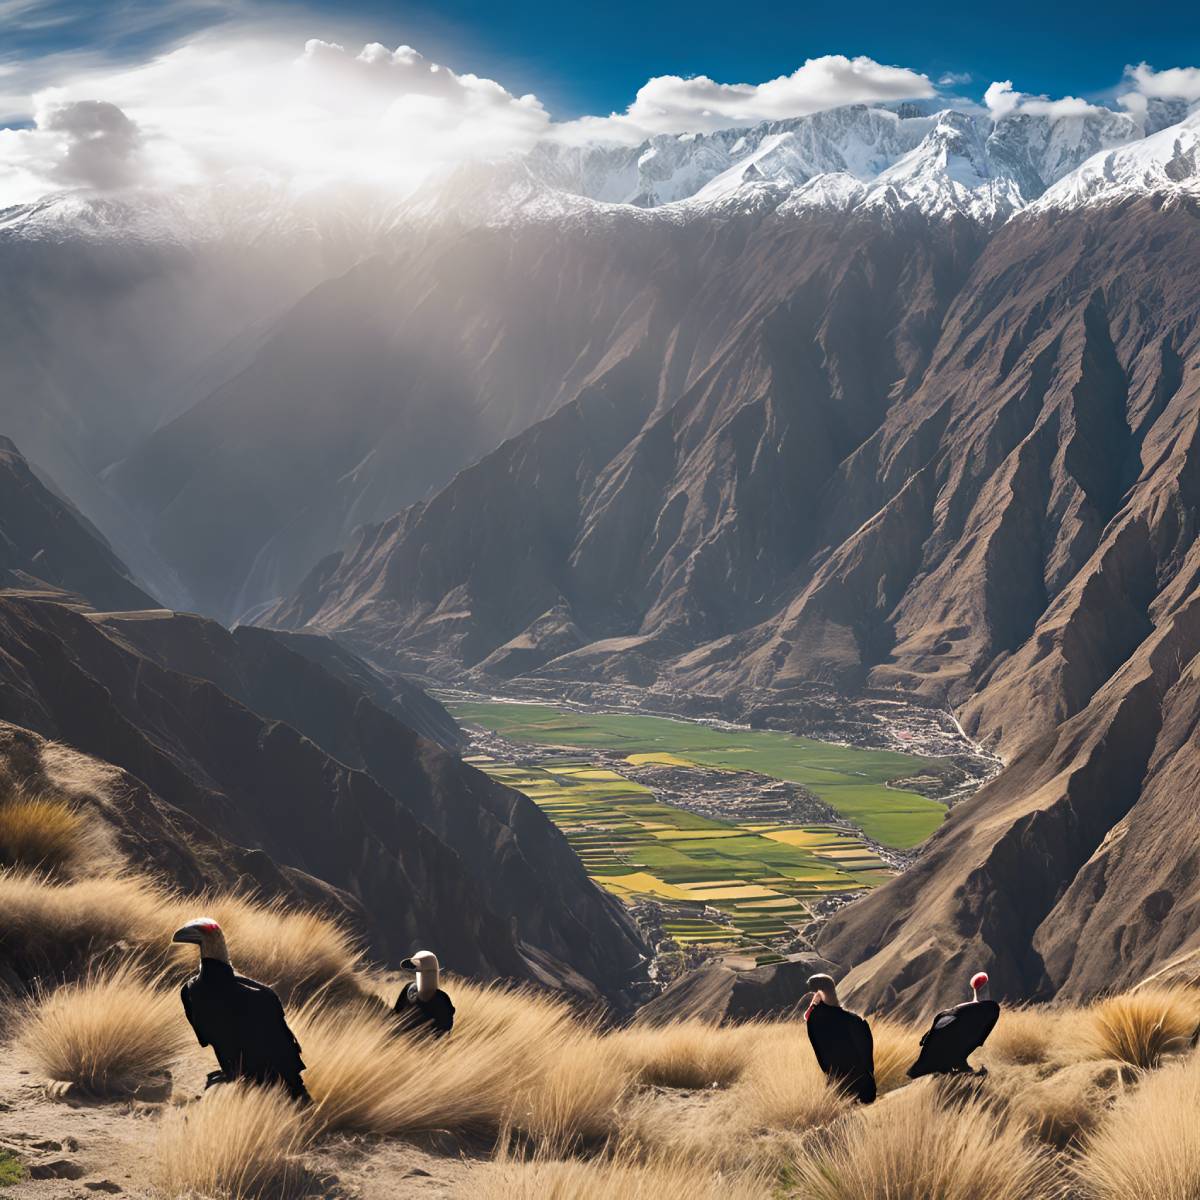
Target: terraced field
[[852, 781], [762, 877]]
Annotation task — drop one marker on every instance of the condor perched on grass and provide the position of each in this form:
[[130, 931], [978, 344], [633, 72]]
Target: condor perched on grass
[[841, 1041], [423, 1005], [957, 1033], [241, 1020]]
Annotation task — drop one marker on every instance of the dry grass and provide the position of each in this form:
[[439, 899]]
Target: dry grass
[[1063, 1108], [1141, 1027], [108, 1033], [610, 1179], [1024, 1036], [53, 928], [896, 1048], [40, 832], [689, 1054], [782, 1086], [294, 951], [576, 1098], [236, 1142], [913, 1145], [516, 1060], [1149, 1145]]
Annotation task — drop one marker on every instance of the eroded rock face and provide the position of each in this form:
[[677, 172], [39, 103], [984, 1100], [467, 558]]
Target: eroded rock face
[[967, 471], [45, 541]]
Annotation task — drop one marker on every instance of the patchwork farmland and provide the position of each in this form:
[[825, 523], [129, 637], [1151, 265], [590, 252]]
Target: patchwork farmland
[[854, 782], [762, 878]]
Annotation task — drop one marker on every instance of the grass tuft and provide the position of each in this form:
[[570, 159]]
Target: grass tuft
[[1024, 1036], [914, 1145], [41, 833], [1149, 1145], [107, 1033], [237, 1142], [606, 1179], [1141, 1027], [690, 1054]]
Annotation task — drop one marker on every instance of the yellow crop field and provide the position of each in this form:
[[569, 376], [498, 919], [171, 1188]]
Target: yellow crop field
[[737, 891], [795, 837], [658, 760], [640, 882]]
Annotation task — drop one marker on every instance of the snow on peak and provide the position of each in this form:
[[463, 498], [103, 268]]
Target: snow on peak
[[1166, 163], [941, 162]]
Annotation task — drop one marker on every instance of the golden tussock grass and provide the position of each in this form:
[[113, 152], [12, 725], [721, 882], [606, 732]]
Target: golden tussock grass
[[610, 1179], [576, 1097], [235, 1142], [517, 1060], [40, 832], [1024, 1036], [1062, 1108], [108, 1033], [294, 951], [690, 1054], [1149, 1144], [896, 1048], [782, 1087], [54, 926], [916, 1144], [1141, 1027]]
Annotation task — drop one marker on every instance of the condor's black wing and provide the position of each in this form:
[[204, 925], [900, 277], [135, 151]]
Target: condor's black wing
[[267, 1042], [953, 1037], [844, 1048]]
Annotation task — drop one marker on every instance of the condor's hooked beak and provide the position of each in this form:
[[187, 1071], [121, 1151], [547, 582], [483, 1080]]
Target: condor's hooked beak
[[205, 933]]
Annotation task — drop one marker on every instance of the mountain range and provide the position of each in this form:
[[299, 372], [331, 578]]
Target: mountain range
[[888, 398]]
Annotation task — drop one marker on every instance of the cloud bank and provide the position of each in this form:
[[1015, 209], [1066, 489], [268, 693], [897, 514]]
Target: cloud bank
[[672, 104], [235, 104]]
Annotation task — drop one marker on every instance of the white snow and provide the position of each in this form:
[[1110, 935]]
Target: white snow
[[1165, 163], [856, 158]]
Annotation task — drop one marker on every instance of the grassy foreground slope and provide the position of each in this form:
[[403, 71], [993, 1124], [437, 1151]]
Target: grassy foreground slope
[[850, 780], [528, 1098]]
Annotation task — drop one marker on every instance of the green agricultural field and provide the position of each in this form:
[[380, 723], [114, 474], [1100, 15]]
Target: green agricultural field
[[762, 878], [850, 780]]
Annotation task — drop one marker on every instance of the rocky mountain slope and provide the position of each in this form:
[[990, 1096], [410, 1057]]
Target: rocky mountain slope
[[400, 339], [280, 762], [45, 540], [920, 456]]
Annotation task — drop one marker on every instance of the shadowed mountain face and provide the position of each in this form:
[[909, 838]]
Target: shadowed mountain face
[[318, 792], [104, 337], [671, 505], [383, 383], [44, 540], [915, 459]]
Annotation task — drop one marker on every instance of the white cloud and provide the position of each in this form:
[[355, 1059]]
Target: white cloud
[[673, 104], [1175, 83], [99, 147], [237, 101], [951, 79], [220, 106], [1002, 100]]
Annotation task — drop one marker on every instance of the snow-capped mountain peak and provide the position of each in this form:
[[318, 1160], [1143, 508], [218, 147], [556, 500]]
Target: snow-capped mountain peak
[[1166, 163]]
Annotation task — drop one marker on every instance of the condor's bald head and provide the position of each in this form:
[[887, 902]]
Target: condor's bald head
[[824, 990], [205, 933]]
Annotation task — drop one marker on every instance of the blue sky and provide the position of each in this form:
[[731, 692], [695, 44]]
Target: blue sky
[[592, 58]]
